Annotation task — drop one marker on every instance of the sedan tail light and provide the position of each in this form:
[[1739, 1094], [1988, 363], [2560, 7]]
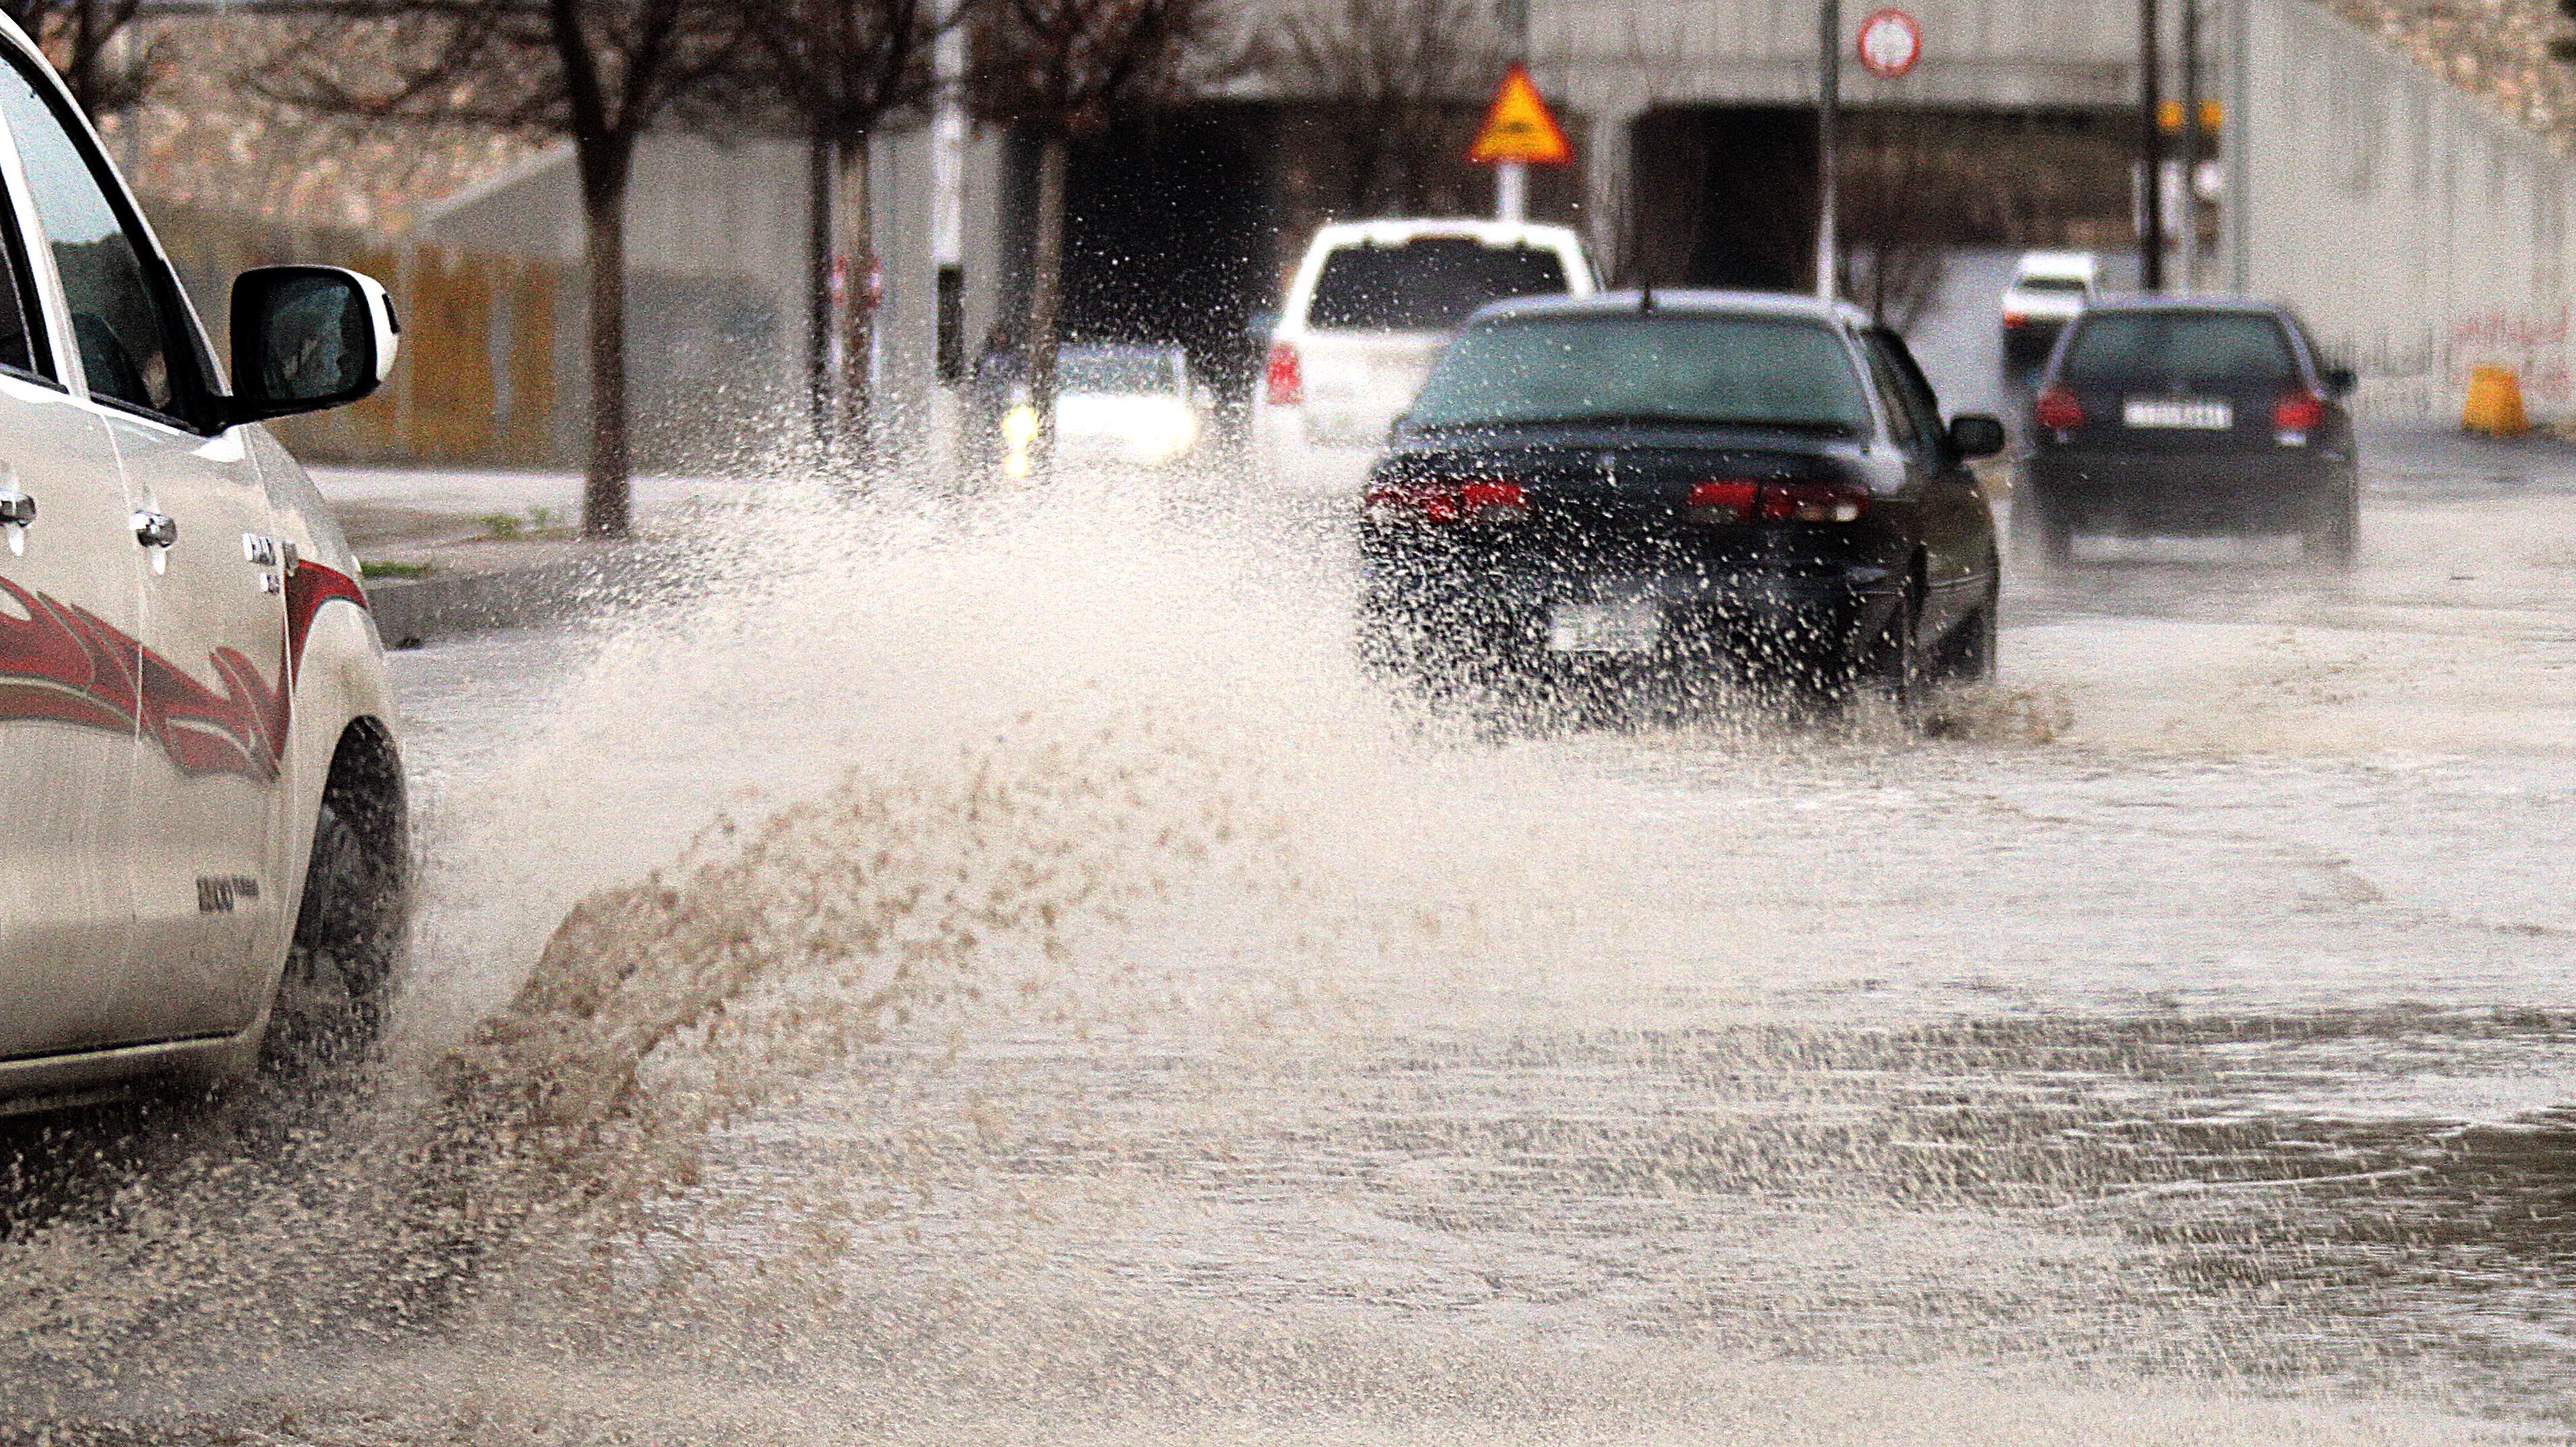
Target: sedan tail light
[[1722, 500], [2015, 320], [2057, 410], [1812, 502], [1285, 379], [2300, 412], [1483, 501], [1800, 500]]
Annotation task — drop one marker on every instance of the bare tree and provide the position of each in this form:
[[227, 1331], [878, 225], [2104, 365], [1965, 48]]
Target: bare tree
[[597, 72], [1064, 69], [1396, 80], [836, 69], [95, 45], [1903, 195]]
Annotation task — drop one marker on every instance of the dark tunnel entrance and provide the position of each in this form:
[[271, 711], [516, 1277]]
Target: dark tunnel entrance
[[1726, 195]]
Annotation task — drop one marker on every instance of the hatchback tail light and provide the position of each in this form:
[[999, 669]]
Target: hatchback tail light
[[1285, 379], [2057, 410], [2300, 412]]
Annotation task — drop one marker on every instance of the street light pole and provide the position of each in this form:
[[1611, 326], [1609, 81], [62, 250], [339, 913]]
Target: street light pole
[[2151, 153], [1829, 84], [2191, 139]]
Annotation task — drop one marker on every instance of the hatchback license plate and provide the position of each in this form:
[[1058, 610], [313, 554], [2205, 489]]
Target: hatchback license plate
[[2188, 415], [1604, 627]]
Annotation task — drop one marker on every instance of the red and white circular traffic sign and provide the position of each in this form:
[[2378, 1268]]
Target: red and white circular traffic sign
[[1890, 43]]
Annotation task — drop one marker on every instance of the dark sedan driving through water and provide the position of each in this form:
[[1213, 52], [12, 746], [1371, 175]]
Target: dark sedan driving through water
[[1706, 485]]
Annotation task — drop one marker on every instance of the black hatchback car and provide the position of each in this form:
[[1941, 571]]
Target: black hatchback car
[[1691, 482], [2165, 417]]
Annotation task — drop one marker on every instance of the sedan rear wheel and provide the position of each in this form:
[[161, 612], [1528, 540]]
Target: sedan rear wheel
[[1895, 664]]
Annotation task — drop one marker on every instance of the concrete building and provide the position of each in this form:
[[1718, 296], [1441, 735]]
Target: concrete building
[[2409, 221]]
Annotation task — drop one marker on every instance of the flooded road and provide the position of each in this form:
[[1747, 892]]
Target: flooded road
[[1031, 989]]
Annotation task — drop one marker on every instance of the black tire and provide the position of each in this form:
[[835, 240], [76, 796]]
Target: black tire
[[2039, 533], [2334, 538], [332, 997], [1895, 664], [1968, 654]]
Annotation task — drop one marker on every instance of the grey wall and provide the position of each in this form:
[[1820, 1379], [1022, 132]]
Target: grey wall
[[2419, 231]]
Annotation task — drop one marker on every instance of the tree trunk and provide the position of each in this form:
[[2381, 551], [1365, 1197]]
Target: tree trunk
[[858, 381], [820, 404], [605, 168], [1046, 286]]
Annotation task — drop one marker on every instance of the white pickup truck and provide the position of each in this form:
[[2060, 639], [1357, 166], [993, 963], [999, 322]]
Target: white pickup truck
[[202, 849], [1366, 313]]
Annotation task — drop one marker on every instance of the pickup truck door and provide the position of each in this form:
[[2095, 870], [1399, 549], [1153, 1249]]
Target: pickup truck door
[[208, 892], [70, 671]]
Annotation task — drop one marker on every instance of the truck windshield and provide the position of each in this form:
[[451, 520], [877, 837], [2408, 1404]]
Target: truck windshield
[[1657, 366], [1429, 284], [2179, 347]]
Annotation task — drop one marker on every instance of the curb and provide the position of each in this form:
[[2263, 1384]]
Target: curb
[[410, 612]]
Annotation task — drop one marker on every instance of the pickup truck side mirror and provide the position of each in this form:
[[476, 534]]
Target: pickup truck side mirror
[[1974, 434], [2341, 380], [306, 338]]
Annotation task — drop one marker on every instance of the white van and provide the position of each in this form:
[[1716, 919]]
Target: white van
[[1368, 310]]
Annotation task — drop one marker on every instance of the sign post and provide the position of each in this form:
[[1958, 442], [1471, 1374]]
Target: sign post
[[1519, 132], [1829, 97], [1890, 43]]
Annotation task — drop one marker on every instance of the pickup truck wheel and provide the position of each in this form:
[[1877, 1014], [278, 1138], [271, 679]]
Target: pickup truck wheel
[[339, 970]]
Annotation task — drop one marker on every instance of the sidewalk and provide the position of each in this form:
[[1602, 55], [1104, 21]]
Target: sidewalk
[[457, 551]]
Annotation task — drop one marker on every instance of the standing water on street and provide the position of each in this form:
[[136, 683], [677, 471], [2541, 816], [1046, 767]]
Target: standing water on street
[[1009, 972]]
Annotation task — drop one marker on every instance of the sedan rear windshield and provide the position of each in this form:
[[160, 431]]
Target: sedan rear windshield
[[1657, 367], [2179, 347], [1428, 284]]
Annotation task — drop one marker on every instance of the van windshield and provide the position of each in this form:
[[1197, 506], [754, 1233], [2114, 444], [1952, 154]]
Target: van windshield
[[1657, 367], [1429, 284]]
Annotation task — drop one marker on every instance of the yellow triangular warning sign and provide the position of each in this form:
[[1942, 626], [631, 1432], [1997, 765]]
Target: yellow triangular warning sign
[[1519, 127]]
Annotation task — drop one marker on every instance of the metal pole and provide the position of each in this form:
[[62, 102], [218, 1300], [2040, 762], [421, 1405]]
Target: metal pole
[[2236, 148], [1511, 178], [2151, 153], [2190, 145], [1829, 79]]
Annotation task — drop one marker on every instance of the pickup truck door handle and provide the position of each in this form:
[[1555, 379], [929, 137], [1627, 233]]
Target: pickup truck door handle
[[155, 529]]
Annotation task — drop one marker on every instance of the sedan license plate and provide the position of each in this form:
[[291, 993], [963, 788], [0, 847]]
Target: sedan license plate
[[1630, 627], [2182, 413]]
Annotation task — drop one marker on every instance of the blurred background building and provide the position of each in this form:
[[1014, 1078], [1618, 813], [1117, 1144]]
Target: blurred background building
[[2398, 175]]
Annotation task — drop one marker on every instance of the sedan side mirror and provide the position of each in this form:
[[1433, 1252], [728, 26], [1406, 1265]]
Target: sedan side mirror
[[1974, 434], [2341, 380], [306, 338]]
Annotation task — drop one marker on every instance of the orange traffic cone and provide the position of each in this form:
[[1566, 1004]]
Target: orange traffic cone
[[2495, 403]]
